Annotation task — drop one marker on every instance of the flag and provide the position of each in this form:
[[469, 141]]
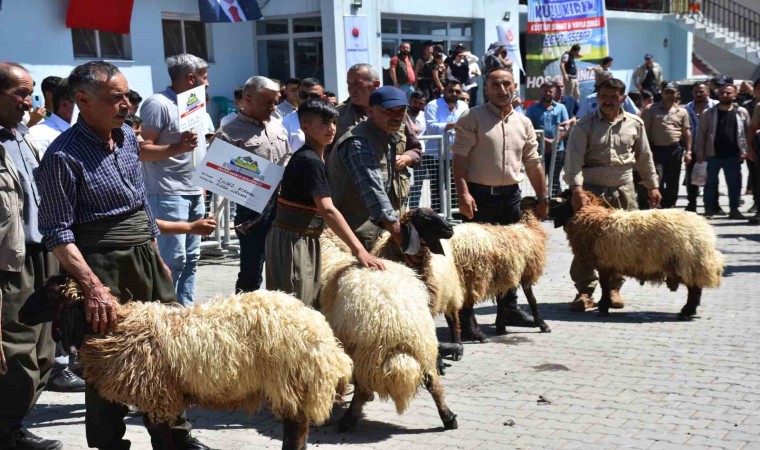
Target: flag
[[229, 10], [102, 15]]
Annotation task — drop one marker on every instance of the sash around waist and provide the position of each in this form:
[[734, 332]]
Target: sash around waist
[[608, 176], [124, 230]]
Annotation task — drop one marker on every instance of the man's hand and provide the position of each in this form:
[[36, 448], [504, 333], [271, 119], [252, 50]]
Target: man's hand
[[566, 78], [579, 199], [467, 206], [687, 158], [541, 210], [203, 227], [654, 198], [36, 115], [394, 228], [450, 125], [402, 161], [188, 141], [99, 309], [369, 261]]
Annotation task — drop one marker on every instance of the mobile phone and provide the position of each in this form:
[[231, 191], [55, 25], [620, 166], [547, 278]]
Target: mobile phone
[[36, 101]]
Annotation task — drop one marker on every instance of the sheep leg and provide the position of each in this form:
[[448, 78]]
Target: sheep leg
[[435, 387], [295, 433], [606, 301], [528, 290], [354, 412], [455, 327], [689, 311]]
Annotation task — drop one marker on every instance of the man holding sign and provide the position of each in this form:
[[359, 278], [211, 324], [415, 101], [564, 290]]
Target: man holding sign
[[171, 146], [253, 131]]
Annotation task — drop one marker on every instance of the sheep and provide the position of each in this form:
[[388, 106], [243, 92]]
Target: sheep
[[383, 321], [661, 245], [230, 353]]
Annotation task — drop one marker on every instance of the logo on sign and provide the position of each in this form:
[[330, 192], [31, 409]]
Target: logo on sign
[[510, 37], [355, 32]]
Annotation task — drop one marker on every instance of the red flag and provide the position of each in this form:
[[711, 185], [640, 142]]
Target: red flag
[[103, 15]]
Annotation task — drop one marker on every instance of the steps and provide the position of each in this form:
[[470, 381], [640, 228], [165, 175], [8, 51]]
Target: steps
[[735, 43]]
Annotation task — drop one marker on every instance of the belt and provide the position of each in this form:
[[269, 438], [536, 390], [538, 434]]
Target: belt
[[572, 76], [306, 231], [494, 190]]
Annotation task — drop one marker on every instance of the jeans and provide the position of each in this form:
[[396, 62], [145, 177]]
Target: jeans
[[252, 249], [180, 252], [667, 162], [732, 171]]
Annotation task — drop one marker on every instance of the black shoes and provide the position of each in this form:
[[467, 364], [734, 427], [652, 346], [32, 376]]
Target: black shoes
[[74, 364], [25, 440], [191, 443], [65, 381]]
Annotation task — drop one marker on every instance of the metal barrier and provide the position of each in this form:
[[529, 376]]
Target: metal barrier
[[223, 238]]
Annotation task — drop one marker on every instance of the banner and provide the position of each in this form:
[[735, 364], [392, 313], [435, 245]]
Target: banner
[[357, 47], [192, 108], [508, 34], [553, 27], [113, 16], [228, 10], [238, 175]]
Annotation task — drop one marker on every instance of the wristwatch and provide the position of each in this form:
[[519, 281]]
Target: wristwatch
[[542, 198]]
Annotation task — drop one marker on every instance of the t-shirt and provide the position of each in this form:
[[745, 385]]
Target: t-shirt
[[305, 177], [726, 144], [569, 63]]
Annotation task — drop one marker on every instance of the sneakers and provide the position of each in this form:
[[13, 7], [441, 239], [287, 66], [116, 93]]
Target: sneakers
[[25, 440], [720, 212], [616, 301], [736, 215], [65, 381], [582, 302], [709, 213], [691, 207]]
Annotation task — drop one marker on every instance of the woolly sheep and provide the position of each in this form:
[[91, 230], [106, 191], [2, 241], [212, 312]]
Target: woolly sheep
[[661, 245], [231, 353], [383, 321]]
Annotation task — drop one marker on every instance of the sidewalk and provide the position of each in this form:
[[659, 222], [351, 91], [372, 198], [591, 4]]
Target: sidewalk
[[637, 379]]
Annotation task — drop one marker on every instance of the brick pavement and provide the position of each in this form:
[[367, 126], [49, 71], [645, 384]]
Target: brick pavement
[[637, 379]]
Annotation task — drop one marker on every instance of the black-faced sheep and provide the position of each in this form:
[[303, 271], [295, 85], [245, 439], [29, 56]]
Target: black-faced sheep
[[382, 319], [239, 352], [661, 245]]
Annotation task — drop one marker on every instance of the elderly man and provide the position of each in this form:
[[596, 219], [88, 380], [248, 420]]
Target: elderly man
[[95, 218], [602, 152], [648, 75], [253, 131], [666, 124], [26, 352], [492, 145], [168, 162]]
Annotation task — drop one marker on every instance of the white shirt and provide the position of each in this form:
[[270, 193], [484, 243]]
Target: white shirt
[[437, 116], [44, 134], [226, 8], [292, 125], [226, 119], [282, 110], [419, 122]]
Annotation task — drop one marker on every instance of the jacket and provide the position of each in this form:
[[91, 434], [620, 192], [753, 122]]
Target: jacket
[[12, 242], [708, 124]]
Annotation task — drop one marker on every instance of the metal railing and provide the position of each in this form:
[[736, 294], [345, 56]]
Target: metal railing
[[734, 20]]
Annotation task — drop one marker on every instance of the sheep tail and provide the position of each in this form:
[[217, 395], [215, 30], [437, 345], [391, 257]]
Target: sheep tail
[[403, 375]]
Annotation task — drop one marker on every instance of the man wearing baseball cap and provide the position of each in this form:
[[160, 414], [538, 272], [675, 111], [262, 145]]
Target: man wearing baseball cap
[[648, 75], [360, 173]]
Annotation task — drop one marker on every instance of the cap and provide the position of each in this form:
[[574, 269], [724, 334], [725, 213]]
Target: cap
[[388, 97], [723, 80], [670, 87], [575, 48], [649, 56], [431, 228]]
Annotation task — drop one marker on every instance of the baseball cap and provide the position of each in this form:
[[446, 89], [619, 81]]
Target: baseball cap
[[648, 56], [670, 86], [388, 97], [431, 228], [723, 80]]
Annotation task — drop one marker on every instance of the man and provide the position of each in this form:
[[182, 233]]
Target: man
[[667, 124], [24, 267], [309, 88], [229, 10], [606, 64], [603, 150], [752, 180], [753, 148], [40, 113], [701, 103], [237, 95], [647, 100], [402, 69], [95, 218], [547, 115], [648, 75], [441, 115], [361, 175], [570, 72], [331, 97], [134, 100], [254, 131], [590, 104], [722, 142], [291, 102], [571, 104], [491, 146], [59, 120], [168, 162]]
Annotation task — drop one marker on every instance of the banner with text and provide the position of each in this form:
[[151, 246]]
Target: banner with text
[[553, 27], [357, 45]]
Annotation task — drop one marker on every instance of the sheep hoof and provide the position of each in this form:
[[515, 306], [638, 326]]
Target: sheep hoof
[[545, 328], [454, 351], [687, 314], [348, 422], [450, 421]]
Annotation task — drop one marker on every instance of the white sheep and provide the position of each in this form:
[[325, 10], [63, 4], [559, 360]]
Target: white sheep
[[238, 352], [660, 245], [383, 321]]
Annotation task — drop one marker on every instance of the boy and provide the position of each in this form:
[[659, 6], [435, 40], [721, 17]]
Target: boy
[[304, 205]]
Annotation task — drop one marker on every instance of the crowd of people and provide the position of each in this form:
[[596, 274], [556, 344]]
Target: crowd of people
[[109, 199]]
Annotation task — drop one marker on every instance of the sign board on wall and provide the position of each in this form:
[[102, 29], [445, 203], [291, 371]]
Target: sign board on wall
[[357, 43]]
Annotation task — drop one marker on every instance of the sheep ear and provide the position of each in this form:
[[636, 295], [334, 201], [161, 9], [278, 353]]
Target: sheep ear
[[38, 308]]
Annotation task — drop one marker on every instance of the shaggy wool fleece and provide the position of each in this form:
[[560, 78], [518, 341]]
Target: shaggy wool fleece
[[238, 352], [656, 245], [495, 258], [382, 319]]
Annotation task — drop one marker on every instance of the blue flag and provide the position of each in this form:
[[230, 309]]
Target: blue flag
[[228, 10]]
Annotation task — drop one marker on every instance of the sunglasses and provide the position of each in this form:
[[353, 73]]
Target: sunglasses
[[305, 95]]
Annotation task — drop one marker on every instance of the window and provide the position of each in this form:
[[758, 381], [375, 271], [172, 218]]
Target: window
[[185, 36], [309, 59], [290, 47], [273, 59], [100, 44]]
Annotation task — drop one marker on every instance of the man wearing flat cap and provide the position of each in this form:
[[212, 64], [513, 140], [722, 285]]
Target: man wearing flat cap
[[360, 173]]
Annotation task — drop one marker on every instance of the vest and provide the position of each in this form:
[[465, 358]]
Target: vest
[[401, 76], [570, 66]]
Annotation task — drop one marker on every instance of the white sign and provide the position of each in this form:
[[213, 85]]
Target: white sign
[[238, 175], [509, 36], [192, 109], [357, 47]]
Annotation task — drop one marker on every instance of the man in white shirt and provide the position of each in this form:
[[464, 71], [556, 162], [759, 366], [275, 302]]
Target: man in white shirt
[[308, 88], [590, 104], [238, 97], [59, 121], [291, 102]]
